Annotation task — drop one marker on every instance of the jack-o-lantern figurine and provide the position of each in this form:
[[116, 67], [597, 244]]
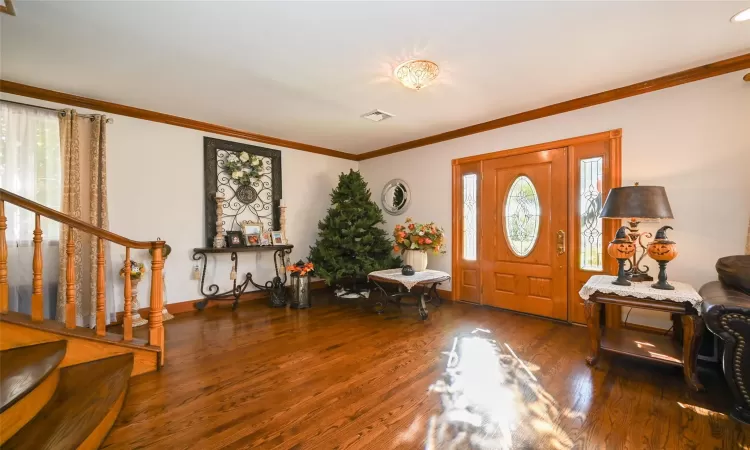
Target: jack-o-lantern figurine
[[622, 249], [662, 250]]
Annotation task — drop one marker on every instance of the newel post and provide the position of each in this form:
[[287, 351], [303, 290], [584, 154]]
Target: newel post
[[155, 327], [37, 297]]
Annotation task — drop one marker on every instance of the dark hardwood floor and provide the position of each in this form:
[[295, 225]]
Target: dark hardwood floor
[[337, 376]]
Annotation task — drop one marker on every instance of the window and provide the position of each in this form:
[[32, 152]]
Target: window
[[590, 201], [30, 166], [522, 216], [470, 217]]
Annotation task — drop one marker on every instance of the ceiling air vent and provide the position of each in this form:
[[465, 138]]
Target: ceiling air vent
[[377, 115]]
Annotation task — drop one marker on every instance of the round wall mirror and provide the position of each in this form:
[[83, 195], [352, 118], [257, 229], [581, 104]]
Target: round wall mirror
[[396, 196]]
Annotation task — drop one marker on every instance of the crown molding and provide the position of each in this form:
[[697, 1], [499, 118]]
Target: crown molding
[[24, 90], [686, 76]]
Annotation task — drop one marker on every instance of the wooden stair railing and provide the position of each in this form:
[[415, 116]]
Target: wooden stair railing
[[155, 326]]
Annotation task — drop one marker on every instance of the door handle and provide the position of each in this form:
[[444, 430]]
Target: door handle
[[560, 242]]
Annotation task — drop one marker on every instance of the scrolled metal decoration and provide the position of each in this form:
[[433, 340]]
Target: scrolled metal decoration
[[256, 200], [246, 194]]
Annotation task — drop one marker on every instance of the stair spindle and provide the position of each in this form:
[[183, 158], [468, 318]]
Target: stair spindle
[[70, 282], [127, 318], [3, 261], [37, 297], [101, 325], [155, 326]]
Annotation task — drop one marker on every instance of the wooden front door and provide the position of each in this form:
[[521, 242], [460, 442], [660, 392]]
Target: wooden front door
[[524, 222]]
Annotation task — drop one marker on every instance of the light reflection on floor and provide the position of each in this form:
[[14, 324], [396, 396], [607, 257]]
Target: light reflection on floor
[[492, 400]]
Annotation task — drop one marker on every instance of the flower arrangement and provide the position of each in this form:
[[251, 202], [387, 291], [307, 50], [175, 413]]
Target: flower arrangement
[[244, 168], [300, 268], [136, 270], [418, 236]]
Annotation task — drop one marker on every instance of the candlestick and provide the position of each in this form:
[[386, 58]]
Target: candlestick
[[282, 222], [219, 241]]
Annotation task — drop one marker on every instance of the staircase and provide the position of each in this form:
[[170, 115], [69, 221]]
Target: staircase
[[62, 386]]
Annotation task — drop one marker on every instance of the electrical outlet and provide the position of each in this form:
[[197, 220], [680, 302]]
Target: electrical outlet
[[196, 275]]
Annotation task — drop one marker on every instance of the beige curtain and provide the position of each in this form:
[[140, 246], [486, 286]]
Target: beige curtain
[[747, 243], [71, 205], [98, 208]]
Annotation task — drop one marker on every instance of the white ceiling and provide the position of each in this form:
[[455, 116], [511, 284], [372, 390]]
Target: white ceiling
[[306, 71]]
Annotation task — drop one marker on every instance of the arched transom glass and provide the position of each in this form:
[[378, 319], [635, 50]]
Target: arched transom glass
[[522, 216]]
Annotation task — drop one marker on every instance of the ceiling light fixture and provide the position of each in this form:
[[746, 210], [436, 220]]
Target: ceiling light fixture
[[417, 73], [741, 16]]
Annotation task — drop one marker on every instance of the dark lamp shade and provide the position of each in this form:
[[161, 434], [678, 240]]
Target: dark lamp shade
[[642, 202]]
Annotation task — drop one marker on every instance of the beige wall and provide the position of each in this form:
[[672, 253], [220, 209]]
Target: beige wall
[[155, 188], [693, 139]]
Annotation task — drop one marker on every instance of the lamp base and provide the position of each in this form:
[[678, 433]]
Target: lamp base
[[641, 277]]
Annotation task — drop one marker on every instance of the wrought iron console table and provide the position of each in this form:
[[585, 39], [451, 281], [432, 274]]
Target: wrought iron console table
[[275, 287]]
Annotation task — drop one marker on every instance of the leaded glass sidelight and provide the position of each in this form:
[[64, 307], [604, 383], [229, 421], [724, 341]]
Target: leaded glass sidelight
[[470, 217], [522, 216], [590, 204]]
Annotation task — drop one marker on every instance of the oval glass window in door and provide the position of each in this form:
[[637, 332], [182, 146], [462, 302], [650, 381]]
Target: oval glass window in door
[[522, 216]]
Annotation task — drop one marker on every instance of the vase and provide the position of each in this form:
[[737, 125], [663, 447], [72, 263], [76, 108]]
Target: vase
[[300, 291], [135, 305], [417, 259]]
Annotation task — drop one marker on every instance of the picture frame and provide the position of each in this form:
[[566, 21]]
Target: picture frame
[[235, 239], [252, 240], [252, 232], [277, 238], [265, 238]]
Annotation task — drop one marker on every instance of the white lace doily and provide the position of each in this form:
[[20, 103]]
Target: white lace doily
[[409, 281], [682, 292]]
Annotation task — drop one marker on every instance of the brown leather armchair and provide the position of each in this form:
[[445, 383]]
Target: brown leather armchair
[[726, 312]]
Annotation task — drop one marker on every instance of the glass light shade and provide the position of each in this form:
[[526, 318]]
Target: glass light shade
[[741, 16], [416, 74]]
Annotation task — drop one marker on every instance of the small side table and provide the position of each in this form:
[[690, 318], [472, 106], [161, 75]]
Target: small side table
[[427, 281], [684, 305]]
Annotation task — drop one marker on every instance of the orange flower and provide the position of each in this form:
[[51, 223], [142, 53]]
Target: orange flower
[[411, 226], [396, 248]]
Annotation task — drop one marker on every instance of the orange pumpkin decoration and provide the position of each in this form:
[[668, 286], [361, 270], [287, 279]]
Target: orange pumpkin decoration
[[661, 248], [621, 247]]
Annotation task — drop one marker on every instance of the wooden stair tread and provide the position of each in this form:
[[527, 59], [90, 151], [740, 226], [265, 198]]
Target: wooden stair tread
[[84, 397], [80, 332], [23, 368]]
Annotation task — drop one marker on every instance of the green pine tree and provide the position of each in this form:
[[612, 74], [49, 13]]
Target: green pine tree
[[350, 244]]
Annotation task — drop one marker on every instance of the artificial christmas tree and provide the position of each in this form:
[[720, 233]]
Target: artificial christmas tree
[[350, 245]]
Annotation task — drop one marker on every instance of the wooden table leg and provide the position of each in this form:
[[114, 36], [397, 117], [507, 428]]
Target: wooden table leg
[[676, 327], [692, 329], [593, 312]]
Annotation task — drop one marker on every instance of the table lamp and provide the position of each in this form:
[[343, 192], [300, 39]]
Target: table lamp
[[635, 203]]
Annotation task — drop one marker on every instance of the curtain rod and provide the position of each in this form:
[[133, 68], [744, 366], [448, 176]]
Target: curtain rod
[[59, 111]]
